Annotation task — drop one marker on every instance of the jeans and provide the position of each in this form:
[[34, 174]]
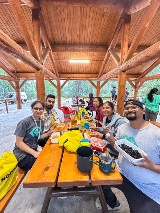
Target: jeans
[[137, 200], [150, 115]]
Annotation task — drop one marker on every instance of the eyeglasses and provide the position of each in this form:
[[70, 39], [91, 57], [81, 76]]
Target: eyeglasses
[[36, 108], [131, 107], [51, 101]]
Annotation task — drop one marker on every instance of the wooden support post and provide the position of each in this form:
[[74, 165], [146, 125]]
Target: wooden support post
[[136, 90], [18, 95], [98, 89], [122, 75], [6, 104], [59, 93], [40, 85]]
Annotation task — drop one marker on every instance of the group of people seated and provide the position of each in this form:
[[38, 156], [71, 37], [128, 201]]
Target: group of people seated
[[141, 182]]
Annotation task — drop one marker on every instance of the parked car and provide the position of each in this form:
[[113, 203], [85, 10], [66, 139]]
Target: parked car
[[13, 95]]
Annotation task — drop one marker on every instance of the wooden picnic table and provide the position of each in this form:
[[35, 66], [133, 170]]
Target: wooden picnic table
[[56, 168]]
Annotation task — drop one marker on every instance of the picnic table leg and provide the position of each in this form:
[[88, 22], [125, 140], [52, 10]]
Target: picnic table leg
[[47, 200], [102, 199]]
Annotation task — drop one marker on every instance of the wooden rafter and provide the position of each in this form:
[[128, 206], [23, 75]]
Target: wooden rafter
[[46, 41], [92, 84], [148, 16], [112, 45], [22, 23], [152, 77], [131, 83], [115, 56], [12, 84], [12, 48], [4, 77], [31, 3], [146, 71], [23, 83], [146, 55], [102, 85], [64, 83], [7, 70]]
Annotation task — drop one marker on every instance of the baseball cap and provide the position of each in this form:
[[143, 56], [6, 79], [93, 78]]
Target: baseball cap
[[134, 102]]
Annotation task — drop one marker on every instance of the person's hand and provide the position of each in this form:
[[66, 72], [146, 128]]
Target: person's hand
[[106, 129], [97, 135], [86, 116], [147, 163], [50, 131], [36, 154], [93, 128]]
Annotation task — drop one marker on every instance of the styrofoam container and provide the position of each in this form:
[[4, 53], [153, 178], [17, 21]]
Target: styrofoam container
[[54, 137], [127, 156]]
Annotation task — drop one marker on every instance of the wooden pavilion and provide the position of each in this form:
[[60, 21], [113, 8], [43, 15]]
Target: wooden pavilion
[[120, 38]]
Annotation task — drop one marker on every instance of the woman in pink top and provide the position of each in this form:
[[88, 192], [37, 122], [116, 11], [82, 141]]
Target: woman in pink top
[[98, 103]]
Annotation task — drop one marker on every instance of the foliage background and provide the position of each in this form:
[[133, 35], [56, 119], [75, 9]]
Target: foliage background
[[81, 88]]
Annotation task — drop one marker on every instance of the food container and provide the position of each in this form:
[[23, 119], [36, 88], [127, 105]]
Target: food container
[[60, 127], [97, 144], [54, 137], [126, 155]]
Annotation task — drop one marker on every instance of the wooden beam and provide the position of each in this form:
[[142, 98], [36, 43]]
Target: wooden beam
[[102, 85], [112, 45], [31, 3], [53, 64], [93, 3], [59, 93], [136, 6], [12, 85], [22, 23], [18, 95], [52, 83], [155, 64], [47, 44], [64, 83], [12, 48], [21, 85], [3, 77], [131, 83], [82, 48], [79, 48], [74, 75], [36, 31], [148, 16], [45, 54], [146, 55], [114, 56], [7, 70], [40, 88], [147, 78], [92, 84]]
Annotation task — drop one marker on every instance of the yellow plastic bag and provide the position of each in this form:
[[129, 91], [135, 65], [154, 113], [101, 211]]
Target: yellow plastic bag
[[71, 140], [8, 172]]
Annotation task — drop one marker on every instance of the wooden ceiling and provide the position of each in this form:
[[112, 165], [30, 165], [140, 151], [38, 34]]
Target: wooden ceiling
[[115, 35]]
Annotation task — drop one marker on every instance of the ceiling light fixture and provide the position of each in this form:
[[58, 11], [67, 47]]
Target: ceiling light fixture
[[80, 61]]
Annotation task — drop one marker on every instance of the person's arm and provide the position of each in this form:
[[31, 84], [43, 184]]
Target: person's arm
[[25, 147], [148, 164], [47, 134]]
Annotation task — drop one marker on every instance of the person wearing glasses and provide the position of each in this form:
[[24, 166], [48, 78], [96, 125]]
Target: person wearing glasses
[[49, 116], [141, 182], [28, 132]]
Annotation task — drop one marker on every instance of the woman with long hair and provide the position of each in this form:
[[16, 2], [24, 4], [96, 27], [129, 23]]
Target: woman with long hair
[[98, 104], [152, 101], [111, 122], [27, 132]]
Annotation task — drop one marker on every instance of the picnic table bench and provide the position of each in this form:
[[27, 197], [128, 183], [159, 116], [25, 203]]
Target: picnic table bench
[[4, 202], [56, 168]]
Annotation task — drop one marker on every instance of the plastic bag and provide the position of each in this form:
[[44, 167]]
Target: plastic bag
[[8, 172], [71, 140]]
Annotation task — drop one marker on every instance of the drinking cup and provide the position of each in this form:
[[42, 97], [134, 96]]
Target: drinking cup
[[84, 159]]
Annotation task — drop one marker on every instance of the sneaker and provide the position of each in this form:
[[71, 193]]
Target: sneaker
[[98, 205]]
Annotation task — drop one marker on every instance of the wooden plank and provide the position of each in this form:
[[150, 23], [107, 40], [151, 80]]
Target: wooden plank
[[69, 175], [44, 172], [9, 195], [98, 178]]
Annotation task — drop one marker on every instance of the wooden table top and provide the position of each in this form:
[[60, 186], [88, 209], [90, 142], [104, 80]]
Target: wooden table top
[[49, 170]]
